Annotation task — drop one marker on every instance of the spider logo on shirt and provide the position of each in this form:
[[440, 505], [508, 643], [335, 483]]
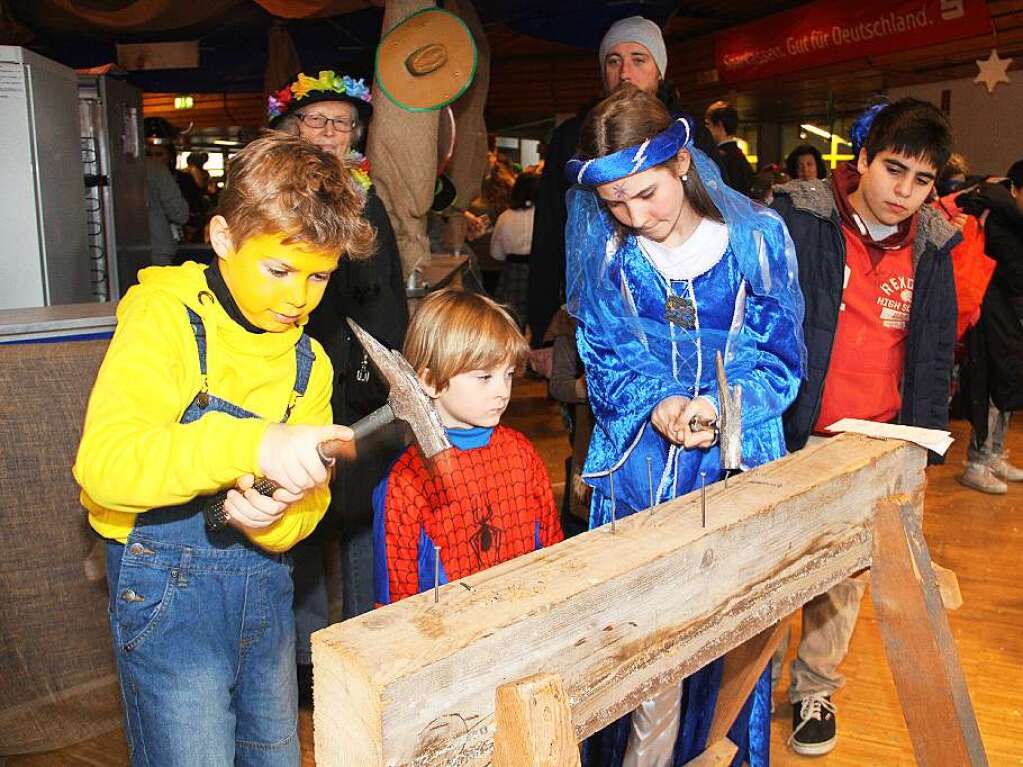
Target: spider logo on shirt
[[487, 536]]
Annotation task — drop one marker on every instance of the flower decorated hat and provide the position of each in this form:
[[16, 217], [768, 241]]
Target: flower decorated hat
[[306, 90]]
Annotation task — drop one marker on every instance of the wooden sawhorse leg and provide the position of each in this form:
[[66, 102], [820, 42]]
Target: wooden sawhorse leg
[[921, 651], [534, 724], [743, 667]]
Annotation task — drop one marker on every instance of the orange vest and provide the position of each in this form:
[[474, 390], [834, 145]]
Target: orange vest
[[864, 378]]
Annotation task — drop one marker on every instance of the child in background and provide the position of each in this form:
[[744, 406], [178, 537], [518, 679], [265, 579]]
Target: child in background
[[512, 242], [208, 381], [493, 502]]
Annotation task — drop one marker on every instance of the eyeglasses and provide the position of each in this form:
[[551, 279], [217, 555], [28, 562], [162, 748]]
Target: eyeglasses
[[318, 122]]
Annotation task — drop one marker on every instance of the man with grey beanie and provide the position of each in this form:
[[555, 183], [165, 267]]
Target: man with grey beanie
[[631, 51]]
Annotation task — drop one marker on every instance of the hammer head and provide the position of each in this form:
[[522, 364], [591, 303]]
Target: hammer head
[[407, 399], [729, 419]]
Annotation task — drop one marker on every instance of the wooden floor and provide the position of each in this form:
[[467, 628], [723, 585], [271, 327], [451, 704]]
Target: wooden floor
[[978, 536]]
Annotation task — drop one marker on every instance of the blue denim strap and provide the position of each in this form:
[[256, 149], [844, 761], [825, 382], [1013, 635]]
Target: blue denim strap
[[304, 359], [199, 331]]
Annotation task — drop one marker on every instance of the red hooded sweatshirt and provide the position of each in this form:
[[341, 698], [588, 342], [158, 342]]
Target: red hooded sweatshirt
[[864, 378]]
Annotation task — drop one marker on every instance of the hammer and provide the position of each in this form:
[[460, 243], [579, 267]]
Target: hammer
[[728, 424], [406, 401]]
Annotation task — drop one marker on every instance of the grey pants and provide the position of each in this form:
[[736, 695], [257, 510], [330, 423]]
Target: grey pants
[[994, 446], [828, 623]]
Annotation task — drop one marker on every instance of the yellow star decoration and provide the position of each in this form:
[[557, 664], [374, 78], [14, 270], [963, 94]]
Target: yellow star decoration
[[993, 70]]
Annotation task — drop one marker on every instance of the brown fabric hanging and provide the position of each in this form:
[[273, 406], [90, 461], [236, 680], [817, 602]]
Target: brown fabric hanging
[[282, 62], [402, 150], [308, 9], [468, 163], [56, 655], [141, 15]]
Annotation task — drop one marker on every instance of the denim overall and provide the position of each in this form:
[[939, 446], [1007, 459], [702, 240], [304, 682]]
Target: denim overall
[[203, 628]]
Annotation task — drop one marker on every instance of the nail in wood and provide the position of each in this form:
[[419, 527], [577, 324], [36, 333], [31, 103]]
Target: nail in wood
[[703, 496], [436, 574], [611, 479], [650, 478]]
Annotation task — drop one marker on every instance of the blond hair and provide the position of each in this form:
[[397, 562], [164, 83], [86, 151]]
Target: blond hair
[[454, 331], [283, 184]]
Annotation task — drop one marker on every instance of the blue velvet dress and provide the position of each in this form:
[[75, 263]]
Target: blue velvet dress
[[681, 325]]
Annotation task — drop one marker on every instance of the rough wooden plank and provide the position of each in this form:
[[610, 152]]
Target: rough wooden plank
[[743, 667], [948, 587], [534, 724], [618, 616], [719, 754], [921, 651]]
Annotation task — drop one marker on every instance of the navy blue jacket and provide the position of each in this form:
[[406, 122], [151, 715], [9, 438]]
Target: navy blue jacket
[[812, 218]]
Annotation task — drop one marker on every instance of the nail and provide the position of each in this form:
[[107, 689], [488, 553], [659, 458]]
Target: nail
[[650, 478], [436, 574], [703, 496], [611, 479]]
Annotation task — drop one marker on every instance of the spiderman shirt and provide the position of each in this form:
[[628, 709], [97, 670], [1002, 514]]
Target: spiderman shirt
[[491, 503]]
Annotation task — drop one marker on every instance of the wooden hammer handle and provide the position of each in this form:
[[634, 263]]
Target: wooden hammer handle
[[328, 451]]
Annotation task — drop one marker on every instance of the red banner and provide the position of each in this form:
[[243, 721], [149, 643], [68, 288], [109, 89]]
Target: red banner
[[830, 31]]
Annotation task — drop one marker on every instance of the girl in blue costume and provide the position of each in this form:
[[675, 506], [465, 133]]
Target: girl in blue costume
[[666, 267]]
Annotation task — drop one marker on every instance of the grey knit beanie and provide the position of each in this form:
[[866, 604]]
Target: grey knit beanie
[[636, 29]]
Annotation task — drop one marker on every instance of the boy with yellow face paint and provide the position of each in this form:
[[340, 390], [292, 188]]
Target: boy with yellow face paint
[[210, 381]]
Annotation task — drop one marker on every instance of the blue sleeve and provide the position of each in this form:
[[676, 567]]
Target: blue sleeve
[[424, 557], [621, 397], [769, 378], [381, 584]]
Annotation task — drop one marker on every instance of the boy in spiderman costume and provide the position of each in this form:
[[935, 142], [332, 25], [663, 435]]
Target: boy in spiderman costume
[[494, 502]]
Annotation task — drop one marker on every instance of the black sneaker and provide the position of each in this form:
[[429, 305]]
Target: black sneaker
[[813, 725]]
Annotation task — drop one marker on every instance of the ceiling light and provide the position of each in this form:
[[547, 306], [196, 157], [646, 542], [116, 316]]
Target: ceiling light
[[810, 128]]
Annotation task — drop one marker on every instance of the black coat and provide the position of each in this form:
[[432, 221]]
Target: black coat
[[736, 170], [812, 218], [371, 292], [993, 370], [546, 291]]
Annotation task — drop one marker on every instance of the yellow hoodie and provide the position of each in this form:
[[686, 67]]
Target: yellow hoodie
[[135, 455]]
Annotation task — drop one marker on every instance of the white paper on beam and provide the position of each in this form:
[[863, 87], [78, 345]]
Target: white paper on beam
[[932, 439]]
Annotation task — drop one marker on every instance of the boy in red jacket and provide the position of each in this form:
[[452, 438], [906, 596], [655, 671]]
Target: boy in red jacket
[[493, 501], [880, 323]]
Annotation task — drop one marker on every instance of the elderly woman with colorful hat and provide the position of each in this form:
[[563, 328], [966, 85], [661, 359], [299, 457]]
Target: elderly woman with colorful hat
[[333, 111]]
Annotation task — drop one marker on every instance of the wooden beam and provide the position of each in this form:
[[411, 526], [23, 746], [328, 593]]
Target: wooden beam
[[718, 754], [743, 667], [534, 724], [921, 651], [618, 616]]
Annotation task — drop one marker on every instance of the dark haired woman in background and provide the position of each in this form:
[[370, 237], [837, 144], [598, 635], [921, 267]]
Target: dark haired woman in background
[[806, 163]]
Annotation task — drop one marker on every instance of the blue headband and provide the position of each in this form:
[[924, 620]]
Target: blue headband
[[633, 159]]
